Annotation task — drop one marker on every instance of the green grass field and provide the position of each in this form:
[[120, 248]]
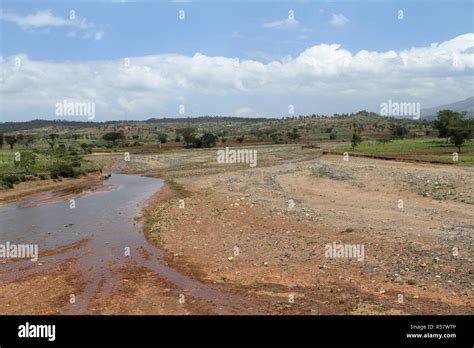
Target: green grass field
[[46, 164], [415, 149]]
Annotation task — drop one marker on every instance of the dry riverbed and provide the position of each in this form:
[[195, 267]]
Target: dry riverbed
[[238, 228]]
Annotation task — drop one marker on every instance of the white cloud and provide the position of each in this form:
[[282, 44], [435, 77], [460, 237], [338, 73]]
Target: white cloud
[[151, 84], [338, 20], [44, 19], [288, 23]]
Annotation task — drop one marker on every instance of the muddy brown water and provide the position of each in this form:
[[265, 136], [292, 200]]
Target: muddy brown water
[[106, 218]]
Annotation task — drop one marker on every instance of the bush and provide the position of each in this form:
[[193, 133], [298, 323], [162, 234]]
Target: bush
[[399, 131], [63, 169], [208, 140], [113, 136], [27, 161], [163, 138], [9, 180], [5, 185]]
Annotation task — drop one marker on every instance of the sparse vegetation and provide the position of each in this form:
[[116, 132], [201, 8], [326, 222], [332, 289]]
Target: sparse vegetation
[[58, 147]]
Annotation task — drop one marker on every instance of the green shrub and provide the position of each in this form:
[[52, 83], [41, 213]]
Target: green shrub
[[5, 185], [11, 179], [63, 169]]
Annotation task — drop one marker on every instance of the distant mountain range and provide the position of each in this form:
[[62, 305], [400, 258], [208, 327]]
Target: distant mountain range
[[428, 114], [33, 124], [463, 105]]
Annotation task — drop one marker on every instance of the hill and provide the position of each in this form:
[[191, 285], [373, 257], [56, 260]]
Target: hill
[[460, 106]]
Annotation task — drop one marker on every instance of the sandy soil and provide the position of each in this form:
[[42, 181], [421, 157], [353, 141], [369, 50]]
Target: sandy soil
[[408, 251]]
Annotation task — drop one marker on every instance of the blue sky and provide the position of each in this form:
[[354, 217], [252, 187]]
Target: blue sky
[[257, 31], [235, 29]]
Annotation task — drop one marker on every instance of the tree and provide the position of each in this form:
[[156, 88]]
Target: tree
[[28, 139], [19, 138], [1, 140], [460, 133], [163, 138], [62, 149], [178, 138], [398, 130], [356, 140], [113, 136], [189, 135], [10, 140], [27, 161], [240, 139], [87, 147], [446, 118], [356, 136], [277, 138], [51, 140], [293, 135], [208, 140]]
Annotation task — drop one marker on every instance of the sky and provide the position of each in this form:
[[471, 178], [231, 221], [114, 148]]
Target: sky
[[142, 59]]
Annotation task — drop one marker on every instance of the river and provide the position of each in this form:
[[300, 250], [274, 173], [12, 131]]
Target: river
[[105, 220]]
